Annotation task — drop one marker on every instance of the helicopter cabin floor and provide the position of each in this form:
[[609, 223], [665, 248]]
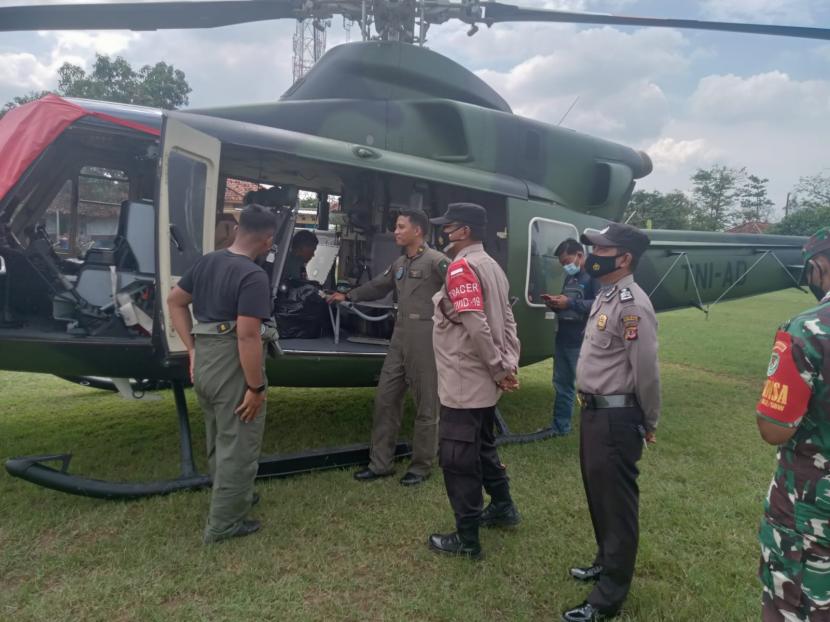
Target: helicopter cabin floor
[[46, 330], [326, 345]]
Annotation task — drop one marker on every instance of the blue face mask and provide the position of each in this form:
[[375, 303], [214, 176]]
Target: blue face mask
[[571, 269]]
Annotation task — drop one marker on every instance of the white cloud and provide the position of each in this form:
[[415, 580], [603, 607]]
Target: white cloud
[[771, 96], [791, 12], [669, 155], [23, 72]]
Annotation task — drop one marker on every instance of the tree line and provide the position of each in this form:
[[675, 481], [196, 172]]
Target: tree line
[[159, 86], [723, 197]]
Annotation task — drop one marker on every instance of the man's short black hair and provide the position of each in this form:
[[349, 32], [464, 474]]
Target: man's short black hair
[[417, 217], [569, 247], [257, 219], [304, 239]]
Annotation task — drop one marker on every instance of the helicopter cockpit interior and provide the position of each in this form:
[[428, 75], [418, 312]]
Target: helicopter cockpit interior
[[77, 237]]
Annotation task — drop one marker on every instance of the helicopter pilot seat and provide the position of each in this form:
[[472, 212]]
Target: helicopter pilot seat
[[124, 268]]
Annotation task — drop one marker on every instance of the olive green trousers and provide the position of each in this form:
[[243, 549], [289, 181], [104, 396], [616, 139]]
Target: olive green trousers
[[233, 447]]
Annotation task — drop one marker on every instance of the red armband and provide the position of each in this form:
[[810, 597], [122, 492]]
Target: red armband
[[786, 394], [463, 287]]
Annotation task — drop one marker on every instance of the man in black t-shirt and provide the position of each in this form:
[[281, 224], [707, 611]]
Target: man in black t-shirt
[[231, 297]]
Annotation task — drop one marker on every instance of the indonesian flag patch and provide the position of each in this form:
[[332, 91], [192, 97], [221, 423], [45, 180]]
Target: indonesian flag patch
[[463, 287], [786, 394]]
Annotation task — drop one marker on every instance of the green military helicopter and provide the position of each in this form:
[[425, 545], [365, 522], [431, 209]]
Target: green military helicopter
[[379, 125]]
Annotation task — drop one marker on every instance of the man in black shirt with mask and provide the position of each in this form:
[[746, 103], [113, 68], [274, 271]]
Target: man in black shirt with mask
[[231, 299]]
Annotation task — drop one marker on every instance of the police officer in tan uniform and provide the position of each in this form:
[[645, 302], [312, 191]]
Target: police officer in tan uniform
[[618, 379], [416, 275], [477, 354]]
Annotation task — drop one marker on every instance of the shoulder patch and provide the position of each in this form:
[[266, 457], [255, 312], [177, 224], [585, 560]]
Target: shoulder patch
[[626, 295], [463, 287], [443, 264], [786, 394], [630, 320]]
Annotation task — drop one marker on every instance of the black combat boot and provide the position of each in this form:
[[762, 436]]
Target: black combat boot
[[500, 514], [463, 542]]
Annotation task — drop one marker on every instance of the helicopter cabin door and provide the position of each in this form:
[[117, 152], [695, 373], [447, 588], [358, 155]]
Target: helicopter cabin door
[[188, 186]]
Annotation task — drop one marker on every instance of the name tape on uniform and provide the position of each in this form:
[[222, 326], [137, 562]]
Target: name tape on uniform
[[464, 288]]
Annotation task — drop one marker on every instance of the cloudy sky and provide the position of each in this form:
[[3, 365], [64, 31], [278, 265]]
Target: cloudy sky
[[690, 99]]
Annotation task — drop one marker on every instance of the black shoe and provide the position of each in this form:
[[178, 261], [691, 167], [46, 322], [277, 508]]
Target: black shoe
[[255, 500], [586, 612], [413, 479], [368, 475], [588, 573], [500, 515], [452, 544], [245, 528]]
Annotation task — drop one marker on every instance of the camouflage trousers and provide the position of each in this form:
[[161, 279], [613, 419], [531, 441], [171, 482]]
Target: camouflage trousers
[[795, 573]]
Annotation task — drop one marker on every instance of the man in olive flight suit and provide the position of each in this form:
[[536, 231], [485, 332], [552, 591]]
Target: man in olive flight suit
[[794, 413], [231, 299], [618, 379], [415, 276]]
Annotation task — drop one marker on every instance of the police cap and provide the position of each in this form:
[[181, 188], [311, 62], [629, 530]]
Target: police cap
[[618, 235], [464, 213]]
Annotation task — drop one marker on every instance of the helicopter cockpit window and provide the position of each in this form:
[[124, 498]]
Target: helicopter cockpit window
[[186, 196], [545, 275], [100, 194]]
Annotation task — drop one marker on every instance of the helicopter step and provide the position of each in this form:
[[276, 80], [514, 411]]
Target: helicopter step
[[35, 470]]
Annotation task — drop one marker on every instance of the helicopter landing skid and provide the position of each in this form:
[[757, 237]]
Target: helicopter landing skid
[[33, 468], [506, 437]]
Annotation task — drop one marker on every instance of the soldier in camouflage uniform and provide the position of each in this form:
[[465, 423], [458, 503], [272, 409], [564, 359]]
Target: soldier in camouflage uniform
[[794, 413]]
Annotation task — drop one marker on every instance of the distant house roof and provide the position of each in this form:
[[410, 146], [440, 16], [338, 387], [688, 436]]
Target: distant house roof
[[236, 189], [753, 226]]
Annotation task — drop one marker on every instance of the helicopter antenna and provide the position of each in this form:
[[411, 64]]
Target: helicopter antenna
[[568, 111]]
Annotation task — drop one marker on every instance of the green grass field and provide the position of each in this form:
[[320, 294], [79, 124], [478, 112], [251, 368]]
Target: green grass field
[[333, 549]]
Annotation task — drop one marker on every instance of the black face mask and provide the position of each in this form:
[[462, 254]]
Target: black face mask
[[444, 238], [818, 292], [597, 266]]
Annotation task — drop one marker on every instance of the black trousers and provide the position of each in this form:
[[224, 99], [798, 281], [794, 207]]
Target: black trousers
[[610, 444], [467, 455]]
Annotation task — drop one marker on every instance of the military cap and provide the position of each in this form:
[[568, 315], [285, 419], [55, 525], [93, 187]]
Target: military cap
[[818, 242], [464, 213], [618, 235]]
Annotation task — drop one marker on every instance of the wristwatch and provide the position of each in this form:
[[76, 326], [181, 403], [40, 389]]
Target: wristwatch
[[259, 389]]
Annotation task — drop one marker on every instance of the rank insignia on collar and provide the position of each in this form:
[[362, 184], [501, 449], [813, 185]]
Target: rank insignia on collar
[[626, 295], [400, 272], [602, 320], [610, 292]]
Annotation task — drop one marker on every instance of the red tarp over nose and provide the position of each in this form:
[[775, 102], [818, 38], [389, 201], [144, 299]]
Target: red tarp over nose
[[27, 130]]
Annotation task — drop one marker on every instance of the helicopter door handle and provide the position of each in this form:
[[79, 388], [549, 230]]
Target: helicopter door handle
[[364, 153], [2, 266], [174, 237]]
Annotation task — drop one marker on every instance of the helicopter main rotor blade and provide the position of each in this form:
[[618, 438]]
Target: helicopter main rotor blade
[[145, 15], [495, 12]]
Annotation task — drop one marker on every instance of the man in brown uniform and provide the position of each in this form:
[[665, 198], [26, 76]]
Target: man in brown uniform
[[477, 355], [618, 379], [416, 275]]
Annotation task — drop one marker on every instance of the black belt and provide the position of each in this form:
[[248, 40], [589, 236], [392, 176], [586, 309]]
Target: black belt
[[597, 402]]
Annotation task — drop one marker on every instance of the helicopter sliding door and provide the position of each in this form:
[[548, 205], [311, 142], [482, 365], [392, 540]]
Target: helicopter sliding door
[[188, 183]]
